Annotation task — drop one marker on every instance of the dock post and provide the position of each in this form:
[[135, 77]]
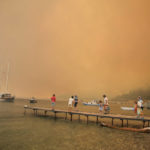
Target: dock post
[[70, 116], [96, 119], [87, 118], [55, 114], [66, 116], [45, 112], [79, 118], [127, 122], [112, 121], [24, 111], [143, 123], [122, 122]]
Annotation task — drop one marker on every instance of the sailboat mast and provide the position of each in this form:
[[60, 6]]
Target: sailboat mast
[[0, 77], [7, 78]]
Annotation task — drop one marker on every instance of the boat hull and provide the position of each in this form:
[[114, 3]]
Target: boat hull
[[127, 108], [86, 104], [10, 99], [33, 101]]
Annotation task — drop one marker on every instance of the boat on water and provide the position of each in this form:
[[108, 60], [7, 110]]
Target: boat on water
[[142, 130], [33, 100], [92, 103], [6, 97], [127, 108]]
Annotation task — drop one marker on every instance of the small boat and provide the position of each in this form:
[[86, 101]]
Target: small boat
[[142, 130], [127, 108], [6, 97], [92, 103], [33, 100]]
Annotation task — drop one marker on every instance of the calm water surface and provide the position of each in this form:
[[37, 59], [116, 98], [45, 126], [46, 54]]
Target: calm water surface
[[19, 132]]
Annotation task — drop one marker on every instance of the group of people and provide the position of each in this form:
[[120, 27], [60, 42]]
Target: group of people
[[138, 108], [104, 107], [73, 102]]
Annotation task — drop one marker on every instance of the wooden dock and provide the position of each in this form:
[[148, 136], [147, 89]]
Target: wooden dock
[[87, 114]]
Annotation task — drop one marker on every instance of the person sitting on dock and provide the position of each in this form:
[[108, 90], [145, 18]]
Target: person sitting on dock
[[70, 102], [53, 101], [100, 107]]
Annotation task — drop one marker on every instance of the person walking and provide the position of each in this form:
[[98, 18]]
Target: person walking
[[70, 102], [53, 101], [106, 105]]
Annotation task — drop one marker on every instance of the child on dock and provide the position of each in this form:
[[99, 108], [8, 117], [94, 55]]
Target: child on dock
[[135, 107], [100, 107]]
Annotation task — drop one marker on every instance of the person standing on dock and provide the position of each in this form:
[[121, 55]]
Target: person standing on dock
[[105, 103], [75, 101], [53, 101], [100, 107], [70, 102], [140, 107]]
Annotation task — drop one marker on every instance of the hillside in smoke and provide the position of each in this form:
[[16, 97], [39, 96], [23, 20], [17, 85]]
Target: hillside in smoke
[[132, 95]]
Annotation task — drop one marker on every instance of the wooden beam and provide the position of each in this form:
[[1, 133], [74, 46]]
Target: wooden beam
[[112, 121], [55, 114], [143, 123], [45, 112], [122, 122], [70, 116], [24, 111], [96, 119], [127, 122], [66, 116], [79, 118], [87, 118]]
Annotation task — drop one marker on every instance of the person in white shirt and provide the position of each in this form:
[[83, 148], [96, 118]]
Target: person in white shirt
[[105, 103], [70, 103], [140, 107]]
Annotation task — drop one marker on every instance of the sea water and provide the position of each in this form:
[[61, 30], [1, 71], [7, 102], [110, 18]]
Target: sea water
[[27, 132]]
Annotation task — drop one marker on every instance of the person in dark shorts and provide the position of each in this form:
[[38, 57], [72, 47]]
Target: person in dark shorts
[[75, 101]]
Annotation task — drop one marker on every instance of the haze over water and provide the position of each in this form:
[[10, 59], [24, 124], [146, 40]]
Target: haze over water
[[75, 47]]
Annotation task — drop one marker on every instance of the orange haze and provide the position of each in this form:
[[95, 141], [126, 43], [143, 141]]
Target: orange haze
[[79, 47]]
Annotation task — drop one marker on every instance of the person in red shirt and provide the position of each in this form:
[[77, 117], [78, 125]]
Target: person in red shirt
[[53, 101]]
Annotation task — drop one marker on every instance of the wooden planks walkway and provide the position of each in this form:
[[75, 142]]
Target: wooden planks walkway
[[87, 114]]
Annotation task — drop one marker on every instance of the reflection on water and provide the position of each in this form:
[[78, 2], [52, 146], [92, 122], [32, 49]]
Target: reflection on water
[[19, 132]]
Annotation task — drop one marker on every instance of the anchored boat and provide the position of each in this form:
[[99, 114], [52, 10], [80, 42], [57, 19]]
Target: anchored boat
[[92, 103], [6, 97], [33, 100]]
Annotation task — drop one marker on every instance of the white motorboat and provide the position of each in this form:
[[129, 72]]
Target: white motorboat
[[92, 103]]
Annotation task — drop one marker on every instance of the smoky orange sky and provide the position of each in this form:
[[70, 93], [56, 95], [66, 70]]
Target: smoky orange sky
[[70, 47]]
